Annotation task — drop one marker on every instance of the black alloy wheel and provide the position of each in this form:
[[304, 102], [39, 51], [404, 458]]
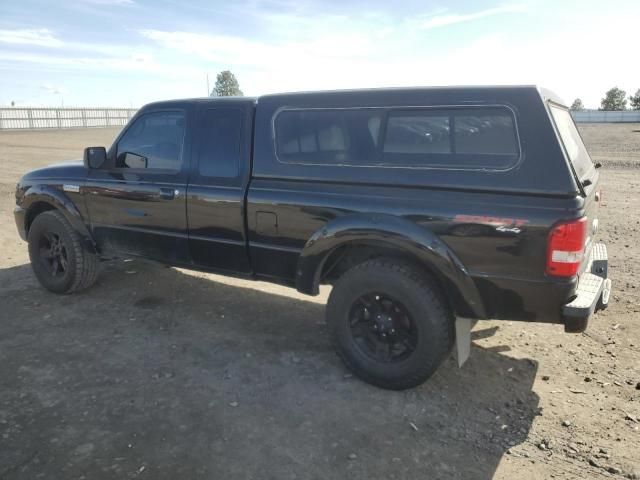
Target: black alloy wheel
[[53, 253], [383, 328]]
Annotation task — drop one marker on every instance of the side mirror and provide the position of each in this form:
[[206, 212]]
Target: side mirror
[[94, 157], [133, 160]]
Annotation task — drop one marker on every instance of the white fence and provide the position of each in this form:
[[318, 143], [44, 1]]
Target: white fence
[[25, 118], [599, 116]]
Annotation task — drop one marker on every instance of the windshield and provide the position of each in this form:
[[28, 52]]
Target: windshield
[[572, 141]]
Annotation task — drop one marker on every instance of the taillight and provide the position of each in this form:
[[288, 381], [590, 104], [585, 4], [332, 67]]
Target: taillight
[[565, 247]]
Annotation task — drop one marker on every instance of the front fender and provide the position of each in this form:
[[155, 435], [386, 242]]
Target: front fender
[[391, 231], [47, 194]]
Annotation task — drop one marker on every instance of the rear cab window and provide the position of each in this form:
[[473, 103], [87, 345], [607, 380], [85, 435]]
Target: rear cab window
[[220, 134], [482, 138], [571, 139]]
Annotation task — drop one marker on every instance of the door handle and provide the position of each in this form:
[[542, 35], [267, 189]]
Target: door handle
[[169, 193]]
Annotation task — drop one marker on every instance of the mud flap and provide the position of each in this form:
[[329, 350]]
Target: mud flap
[[463, 338]]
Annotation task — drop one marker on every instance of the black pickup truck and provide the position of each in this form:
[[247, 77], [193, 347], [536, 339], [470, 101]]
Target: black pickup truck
[[426, 209]]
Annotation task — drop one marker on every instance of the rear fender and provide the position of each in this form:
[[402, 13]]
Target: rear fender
[[398, 233]]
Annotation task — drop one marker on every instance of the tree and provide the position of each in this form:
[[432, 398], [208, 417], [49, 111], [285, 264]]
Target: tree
[[577, 105], [614, 99], [634, 100], [226, 85]]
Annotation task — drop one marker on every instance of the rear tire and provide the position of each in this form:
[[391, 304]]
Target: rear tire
[[59, 257], [389, 323]]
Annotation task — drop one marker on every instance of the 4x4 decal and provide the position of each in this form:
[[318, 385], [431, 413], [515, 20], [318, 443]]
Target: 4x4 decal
[[505, 229]]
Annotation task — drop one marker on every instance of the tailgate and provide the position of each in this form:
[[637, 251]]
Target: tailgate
[[592, 204]]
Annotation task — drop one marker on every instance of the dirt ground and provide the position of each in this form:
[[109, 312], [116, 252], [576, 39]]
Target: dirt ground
[[161, 373], [613, 144]]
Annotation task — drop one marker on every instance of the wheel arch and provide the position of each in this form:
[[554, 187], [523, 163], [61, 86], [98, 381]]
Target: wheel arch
[[39, 199], [368, 236]]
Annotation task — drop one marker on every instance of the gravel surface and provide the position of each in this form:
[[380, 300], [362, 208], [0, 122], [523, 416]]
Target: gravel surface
[[162, 373], [613, 144]]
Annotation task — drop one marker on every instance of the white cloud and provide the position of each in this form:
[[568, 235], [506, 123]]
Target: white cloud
[[296, 52], [285, 54], [437, 21], [132, 64], [142, 58], [53, 89], [38, 37], [208, 47]]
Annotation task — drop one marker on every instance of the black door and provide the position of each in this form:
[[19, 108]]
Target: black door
[[216, 192], [137, 205]]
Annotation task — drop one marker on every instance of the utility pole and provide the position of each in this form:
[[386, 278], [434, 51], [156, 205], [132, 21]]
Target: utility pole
[[208, 91]]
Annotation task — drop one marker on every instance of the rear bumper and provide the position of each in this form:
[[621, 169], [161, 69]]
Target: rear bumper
[[592, 292], [19, 214]]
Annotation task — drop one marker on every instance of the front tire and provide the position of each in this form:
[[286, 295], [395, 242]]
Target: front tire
[[389, 323], [60, 261]]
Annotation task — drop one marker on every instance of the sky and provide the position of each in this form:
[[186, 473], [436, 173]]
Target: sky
[[131, 52]]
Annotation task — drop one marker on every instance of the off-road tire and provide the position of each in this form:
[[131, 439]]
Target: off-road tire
[[423, 301], [82, 264]]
